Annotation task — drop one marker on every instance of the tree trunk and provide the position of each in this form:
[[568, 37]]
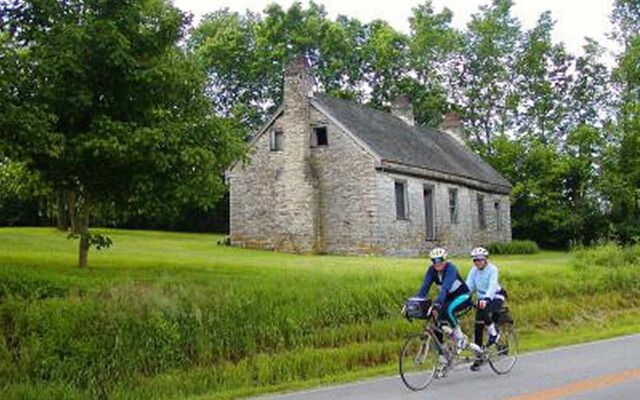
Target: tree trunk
[[83, 227], [79, 211], [83, 249]]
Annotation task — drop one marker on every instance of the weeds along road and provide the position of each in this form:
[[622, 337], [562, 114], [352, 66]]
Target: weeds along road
[[603, 370]]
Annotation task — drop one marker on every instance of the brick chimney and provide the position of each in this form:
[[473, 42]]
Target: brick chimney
[[402, 108], [452, 125]]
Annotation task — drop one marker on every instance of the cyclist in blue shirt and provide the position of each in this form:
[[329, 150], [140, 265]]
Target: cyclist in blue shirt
[[453, 297], [483, 280]]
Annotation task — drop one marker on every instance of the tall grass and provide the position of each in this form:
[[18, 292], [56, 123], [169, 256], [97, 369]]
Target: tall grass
[[610, 255], [514, 247], [167, 315]]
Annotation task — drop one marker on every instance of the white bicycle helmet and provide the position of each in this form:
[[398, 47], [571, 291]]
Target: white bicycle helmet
[[479, 253], [438, 253]]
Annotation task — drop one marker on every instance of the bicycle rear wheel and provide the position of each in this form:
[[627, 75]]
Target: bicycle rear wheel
[[503, 355], [419, 359]]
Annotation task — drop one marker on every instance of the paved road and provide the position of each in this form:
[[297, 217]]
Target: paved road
[[604, 370]]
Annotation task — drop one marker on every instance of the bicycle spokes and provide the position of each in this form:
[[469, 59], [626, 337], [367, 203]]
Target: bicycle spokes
[[421, 355], [418, 361], [502, 355]]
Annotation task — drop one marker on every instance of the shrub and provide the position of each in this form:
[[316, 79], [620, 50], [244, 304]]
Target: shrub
[[514, 247], [225, 241]]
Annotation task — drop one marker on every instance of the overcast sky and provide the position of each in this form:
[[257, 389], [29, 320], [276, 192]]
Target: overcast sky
[[575, 18]]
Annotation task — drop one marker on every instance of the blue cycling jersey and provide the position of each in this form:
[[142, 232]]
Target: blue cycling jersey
[[450, 282], [484, 281]]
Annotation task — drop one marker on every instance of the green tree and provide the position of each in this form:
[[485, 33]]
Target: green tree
[[622, 183], [591, 96], [626, 20], [541, 81], [433, 50], [244, 56], [539, 208], [24, 198], [385, 63], [106, 107], [581, 171], [225, 43], [486, 77]]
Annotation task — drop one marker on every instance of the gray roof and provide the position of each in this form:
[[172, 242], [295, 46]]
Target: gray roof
[[394, 140]]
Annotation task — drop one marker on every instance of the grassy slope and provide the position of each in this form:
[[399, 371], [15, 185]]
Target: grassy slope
[[285, 321]]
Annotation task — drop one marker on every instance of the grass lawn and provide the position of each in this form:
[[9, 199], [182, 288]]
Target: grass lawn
[[174, 315]]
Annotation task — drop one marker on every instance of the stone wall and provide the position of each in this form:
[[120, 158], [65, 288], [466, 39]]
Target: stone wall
[[491, 232], [408, 236], [254, 193], [346, 180], [273, 198]]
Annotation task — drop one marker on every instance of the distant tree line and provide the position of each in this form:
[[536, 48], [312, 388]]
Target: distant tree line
[[563, 128]]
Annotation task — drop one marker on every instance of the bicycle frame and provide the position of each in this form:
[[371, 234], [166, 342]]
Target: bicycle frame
[[446, 347], [433, 329]]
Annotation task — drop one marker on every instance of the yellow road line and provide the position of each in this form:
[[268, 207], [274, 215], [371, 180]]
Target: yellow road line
[[581, 386]]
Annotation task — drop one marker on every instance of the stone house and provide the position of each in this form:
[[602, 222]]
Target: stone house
[[330, 176]]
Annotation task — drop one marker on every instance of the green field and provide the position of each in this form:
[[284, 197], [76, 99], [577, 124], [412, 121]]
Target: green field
[[174, 316]]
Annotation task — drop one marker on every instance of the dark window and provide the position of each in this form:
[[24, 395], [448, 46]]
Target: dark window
[[453, 206], [319, 137], [496, 206], [401, 203], [429, 213], [481, 220], [276, 141]]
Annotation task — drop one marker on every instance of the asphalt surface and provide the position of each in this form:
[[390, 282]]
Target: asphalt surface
[[603, 370]]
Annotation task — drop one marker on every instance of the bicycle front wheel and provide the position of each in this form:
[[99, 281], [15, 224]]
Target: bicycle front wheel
[[419, 359], [504, 354]]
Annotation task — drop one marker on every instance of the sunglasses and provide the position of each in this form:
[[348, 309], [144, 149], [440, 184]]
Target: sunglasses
[[437, 260], [478, 259]]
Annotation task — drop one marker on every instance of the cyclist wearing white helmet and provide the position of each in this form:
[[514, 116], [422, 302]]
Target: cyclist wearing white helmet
[[453, 297], [483, 280]]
